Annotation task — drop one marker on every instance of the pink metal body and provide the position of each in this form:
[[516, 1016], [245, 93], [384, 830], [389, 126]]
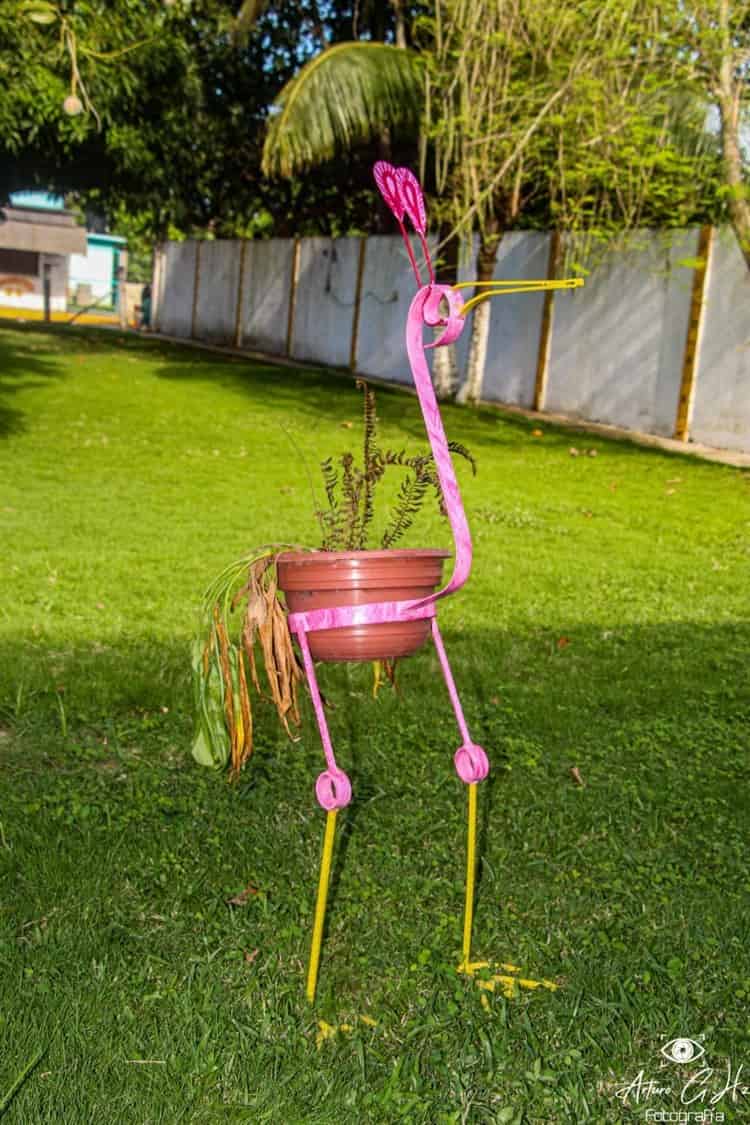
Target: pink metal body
[[433, 306]]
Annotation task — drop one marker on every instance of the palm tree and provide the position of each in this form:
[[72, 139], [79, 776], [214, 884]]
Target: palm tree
[[348, 95], [351, 94]]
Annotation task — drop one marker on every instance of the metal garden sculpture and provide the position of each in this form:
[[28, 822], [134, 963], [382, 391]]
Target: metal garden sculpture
[[434, 306]]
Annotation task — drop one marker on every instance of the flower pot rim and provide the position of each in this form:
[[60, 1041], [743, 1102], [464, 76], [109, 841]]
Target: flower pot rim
[[383, 553]]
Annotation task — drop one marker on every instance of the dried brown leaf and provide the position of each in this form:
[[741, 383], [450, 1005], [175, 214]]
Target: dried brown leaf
[[243, 897]]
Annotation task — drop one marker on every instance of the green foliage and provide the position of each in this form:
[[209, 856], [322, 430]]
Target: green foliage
[[173, 120], [583, 119], [349, 94], [348, 519], [136, 228]]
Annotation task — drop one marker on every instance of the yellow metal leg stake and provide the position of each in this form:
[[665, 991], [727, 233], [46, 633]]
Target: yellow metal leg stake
[[320, 905], [471, 868]]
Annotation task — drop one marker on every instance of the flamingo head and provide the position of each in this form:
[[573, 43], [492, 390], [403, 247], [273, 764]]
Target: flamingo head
[[443, 305]]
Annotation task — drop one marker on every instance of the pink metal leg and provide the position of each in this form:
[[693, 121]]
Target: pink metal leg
[[470, 760], [332, 788]]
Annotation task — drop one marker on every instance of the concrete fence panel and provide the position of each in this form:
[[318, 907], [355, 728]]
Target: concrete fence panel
[[265, 298], [617, 345], [325, 300], [176, 305], [388, 287], [516, 320], [619, 350], [216, 297], [721, 410]]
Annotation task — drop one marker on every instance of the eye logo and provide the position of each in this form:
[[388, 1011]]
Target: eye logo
[[682, 1050]]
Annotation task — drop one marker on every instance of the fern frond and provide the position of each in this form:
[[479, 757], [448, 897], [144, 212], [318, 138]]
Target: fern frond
[[332, 520], [408, 502], [371, 470], [351, 487], [462, 451]]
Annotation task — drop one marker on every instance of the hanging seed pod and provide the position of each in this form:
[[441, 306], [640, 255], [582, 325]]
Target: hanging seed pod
[[72, 105]]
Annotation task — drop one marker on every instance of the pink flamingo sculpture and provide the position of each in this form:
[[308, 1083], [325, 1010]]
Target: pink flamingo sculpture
[[433, 306]]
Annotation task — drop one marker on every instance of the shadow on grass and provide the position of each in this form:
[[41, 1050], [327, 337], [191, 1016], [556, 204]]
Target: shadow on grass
[[656, 719], [308, 391], [24, 362], [527, 701], [317, 391]]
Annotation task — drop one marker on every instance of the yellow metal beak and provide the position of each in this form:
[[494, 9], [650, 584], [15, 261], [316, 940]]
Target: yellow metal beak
[[499, 288]]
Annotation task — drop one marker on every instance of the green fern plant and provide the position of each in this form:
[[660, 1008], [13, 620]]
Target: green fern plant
[[347, 522], [243, 621]]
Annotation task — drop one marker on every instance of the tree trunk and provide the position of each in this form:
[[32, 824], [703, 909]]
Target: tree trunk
[[400, 22], [444, 362], [737, 201], [471, 391], [444, 371]]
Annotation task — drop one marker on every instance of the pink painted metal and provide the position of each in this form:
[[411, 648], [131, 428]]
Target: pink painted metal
[[433, 306]]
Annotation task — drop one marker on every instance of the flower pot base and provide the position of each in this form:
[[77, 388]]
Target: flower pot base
[[330, 579]]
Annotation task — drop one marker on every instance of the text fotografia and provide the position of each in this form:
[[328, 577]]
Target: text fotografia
[[702, 1089], [688, 1116]]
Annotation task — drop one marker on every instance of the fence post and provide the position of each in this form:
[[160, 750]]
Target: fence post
[[240, 296], [357, 300], [292, 296], [545, 331], [196, 284], [158, 284], [47, 290], [693, 338], [155, 283]]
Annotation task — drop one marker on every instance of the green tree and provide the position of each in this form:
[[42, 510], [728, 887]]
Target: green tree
[[578, 107], [577, 116], [716, 62], [173, 103]]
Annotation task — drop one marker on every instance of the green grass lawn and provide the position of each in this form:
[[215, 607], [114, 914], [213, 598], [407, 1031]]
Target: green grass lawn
[[605, 627]]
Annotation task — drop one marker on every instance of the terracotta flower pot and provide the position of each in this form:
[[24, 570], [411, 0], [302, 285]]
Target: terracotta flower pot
[[327, 579]]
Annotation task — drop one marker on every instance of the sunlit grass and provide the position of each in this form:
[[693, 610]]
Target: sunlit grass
[[605, 627]]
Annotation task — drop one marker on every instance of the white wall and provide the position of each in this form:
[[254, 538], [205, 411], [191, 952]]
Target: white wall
[[176, 304], [265, 304], [19, 297], [388, 288], [324, 309], [721, 406], [617, 345], [218, 278], [93, 268], [515, 321]]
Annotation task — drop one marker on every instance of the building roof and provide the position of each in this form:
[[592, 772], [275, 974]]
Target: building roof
[[41, 230], [40, 200], [105, 239]]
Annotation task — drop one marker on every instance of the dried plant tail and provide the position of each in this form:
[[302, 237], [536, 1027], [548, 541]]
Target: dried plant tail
[[247, 714], [226, 673]]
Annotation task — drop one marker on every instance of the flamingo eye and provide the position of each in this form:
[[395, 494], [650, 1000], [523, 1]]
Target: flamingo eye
[[682, 1050]]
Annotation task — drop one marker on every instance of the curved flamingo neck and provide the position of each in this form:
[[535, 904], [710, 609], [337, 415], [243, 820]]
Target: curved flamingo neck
[[424, 310]]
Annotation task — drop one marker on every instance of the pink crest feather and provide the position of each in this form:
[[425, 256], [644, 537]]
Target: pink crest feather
[[412, 199], [386, 177]]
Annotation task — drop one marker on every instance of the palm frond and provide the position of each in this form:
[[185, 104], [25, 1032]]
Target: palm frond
[[345, 96]]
